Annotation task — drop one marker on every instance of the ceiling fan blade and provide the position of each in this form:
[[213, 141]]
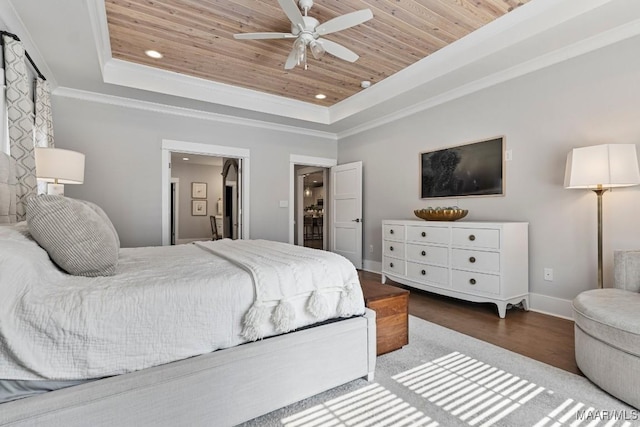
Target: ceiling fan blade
[[261, 36], [290, 9], [338, 50], [292, 59], [345, 21]]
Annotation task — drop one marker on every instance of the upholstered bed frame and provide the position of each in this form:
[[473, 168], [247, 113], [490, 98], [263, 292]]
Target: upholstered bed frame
[[8, 185], [222, 388]]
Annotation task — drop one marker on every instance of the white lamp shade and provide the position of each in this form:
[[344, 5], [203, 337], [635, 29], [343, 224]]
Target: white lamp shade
[[607, 165], [65, 166]]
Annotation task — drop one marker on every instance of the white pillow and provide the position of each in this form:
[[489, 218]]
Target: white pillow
[[76, 238], [22, 260]]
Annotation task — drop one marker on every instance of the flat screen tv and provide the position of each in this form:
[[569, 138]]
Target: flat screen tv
[[475, 169]]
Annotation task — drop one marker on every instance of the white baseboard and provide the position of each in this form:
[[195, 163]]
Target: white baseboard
[[372, 266], [544, 304], [552, 306]]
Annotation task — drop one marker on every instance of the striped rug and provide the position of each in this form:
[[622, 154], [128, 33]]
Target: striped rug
[[444, 378]]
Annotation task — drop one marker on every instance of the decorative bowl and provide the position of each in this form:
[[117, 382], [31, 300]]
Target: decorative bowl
[[441, 214]]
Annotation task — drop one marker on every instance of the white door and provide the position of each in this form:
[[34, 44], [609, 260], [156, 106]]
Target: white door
[[346, 211]]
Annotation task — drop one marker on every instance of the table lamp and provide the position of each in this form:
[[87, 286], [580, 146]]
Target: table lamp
[[599, 168], [59, 167]]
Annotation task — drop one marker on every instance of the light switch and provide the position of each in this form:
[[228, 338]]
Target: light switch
[[284, 203]]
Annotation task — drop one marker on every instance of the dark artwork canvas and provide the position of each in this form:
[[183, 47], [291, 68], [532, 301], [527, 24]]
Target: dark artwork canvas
[[467, 170]]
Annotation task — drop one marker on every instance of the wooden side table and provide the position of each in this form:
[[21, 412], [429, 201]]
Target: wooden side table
[[391, 305]]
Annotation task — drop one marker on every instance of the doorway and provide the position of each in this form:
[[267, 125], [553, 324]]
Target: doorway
[[310, 205], [208, 205], [175, 211], [231, 201], [196, 197]]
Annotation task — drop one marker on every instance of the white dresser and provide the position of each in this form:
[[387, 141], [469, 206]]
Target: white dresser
[[473, 261]]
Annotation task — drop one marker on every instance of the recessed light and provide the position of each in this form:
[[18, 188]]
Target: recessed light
[[321, 96], [185, 158], [153, 54], [315, 180], [365, 84]]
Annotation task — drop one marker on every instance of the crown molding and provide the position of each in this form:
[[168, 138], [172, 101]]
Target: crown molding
[[15, 25], [579, 48], [140, 76], [521, 24], [119, 101], [100, 29], [517, 26]]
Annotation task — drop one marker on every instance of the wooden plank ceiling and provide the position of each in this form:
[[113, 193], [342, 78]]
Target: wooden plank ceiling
[[196, 39]]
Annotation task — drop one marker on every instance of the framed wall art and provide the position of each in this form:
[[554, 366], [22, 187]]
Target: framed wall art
[[475, 169], [198, 190], [198, 207]]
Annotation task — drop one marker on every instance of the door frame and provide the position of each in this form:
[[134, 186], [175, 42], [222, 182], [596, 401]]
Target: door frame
[[169, 146], [176, 209], [296, 159]]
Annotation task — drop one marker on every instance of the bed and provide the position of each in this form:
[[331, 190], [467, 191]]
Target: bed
[[131, 342]]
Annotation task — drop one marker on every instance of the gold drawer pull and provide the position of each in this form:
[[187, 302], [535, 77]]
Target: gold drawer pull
[[424, 272], [472, 260], [423, 253], [472, 237], [424, 234], [472, 281]]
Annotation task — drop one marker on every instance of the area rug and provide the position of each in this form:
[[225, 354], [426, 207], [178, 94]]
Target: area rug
[[445, 378]]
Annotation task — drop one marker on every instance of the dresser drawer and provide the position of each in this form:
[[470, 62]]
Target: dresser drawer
[[469, 282], [476, 260], [428, 234], [427, 254], [393, 249], [476, 238], [393, 232], [428, 273], [393, 265]]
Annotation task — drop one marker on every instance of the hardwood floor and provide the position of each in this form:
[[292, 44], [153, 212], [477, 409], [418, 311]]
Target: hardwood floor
[[541, 337]]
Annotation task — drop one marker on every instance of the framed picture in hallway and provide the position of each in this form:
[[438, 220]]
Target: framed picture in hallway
[[198, 207], [198, 190]]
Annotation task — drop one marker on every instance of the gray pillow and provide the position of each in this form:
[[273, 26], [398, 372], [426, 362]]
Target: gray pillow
[[104, 217], [76, 238]]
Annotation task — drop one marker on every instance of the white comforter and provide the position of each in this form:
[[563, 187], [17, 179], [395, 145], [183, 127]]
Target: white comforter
[[165, 304]]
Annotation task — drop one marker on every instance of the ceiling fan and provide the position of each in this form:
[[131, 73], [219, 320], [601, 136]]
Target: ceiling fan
[[307, 32]]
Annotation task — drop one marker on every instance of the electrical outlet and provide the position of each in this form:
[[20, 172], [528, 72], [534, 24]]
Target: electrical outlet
[[548, 274], [370, 249], [508, 155]]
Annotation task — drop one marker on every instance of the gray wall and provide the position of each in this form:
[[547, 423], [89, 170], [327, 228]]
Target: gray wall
[[189, 226], [123, 163], [590, 100]]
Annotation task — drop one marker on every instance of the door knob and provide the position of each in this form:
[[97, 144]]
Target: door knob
[[356, 220]]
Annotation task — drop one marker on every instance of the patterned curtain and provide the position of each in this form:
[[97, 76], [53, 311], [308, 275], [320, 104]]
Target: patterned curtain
[[43, 132], [20, 115], [44, 121]]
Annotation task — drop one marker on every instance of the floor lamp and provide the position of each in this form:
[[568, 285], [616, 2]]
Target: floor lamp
[[600, 168]]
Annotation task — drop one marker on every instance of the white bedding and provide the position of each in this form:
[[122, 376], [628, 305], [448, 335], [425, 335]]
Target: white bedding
[[164, 304]]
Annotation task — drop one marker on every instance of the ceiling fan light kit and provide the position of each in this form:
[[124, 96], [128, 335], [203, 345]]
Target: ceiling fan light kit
[[308, 30]]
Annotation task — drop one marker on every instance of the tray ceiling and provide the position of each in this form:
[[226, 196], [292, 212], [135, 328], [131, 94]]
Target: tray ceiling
[[196, 39]]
